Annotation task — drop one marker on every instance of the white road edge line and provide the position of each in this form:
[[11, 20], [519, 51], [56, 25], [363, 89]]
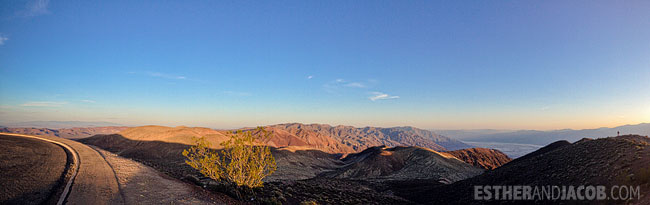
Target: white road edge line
[[75, 157]]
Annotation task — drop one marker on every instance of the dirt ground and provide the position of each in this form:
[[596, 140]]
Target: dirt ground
[[140, 184], [30, 170]]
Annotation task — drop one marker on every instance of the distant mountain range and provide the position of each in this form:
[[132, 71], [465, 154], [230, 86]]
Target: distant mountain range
[[307, 151], [348, 139], [327, 138], [69, 133], [542, 137], [330, 139], [58, 124]]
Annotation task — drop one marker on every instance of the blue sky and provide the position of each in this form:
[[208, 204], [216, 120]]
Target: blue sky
[[430, 64]]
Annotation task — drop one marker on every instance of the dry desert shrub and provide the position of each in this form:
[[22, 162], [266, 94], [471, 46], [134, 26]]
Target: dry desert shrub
[[241, 161]]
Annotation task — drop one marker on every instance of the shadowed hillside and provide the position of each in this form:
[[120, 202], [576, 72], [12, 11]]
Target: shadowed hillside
[[402, 163], [609, 161], [331, 139], [302, 173], [166, 155], [482, 157]]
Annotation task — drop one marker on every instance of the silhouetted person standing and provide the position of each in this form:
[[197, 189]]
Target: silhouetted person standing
[[618, 133]]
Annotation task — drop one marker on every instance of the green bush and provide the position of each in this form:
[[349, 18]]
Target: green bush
[[240, 162]]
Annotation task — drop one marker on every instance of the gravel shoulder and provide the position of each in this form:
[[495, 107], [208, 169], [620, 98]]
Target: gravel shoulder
[[140, 184]]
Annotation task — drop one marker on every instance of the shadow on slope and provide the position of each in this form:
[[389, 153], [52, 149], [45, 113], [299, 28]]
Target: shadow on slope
[[366, 177], [289, 184], [482, 157], [609, 161], [403, 163], [166, 156]]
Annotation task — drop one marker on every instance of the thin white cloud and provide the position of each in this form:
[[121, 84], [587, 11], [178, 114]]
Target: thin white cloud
[[35, 8], [381, 96], [3, 38], [333, 86], [88, 101], [337, 84], [43, 104], [166, 76], [235, 93], [310, 77], [356, 85]]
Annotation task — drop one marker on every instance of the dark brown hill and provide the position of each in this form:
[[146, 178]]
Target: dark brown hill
[[403, 163], [609, 161], [547, 148], [482, 157]]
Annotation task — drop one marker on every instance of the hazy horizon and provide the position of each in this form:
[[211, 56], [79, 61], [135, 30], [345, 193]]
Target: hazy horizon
[[357, 126], [498, 65]]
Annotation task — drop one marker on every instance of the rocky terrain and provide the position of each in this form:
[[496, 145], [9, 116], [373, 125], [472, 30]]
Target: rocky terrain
[[302, 151], [609, 161], [330, 139], [482, 157], [403, 163], [347, 139], [402, 174], [306, 174], [166, 156], [302, 164]]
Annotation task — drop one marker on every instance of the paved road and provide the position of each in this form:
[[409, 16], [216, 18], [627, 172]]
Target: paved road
[[30, 170], [95, 181], [109, 179]]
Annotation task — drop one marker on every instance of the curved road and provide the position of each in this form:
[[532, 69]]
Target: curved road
[[94, 183], [95, 178], [31, 170]]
